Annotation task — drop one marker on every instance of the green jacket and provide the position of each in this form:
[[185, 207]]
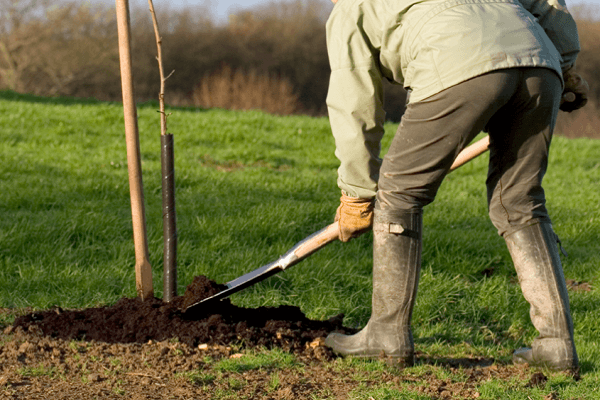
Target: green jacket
[[427, 46]]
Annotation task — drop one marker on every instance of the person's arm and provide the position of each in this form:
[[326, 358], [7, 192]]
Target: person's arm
[[356, 116], [561, 28], [559, 25], [355, 103]]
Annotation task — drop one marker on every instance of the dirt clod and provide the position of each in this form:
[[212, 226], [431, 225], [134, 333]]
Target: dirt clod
[[538, 379], [201, 288], [578, 286]]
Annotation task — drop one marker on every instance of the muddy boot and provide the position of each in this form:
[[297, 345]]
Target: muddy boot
[[396, 266], [534, 252]]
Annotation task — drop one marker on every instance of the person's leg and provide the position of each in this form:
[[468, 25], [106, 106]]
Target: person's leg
[[430, 136], [520, 138], [432, 133], [535, 255], [396, 265]]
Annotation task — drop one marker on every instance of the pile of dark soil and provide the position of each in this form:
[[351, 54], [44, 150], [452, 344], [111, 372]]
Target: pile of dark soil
[[137, 321]]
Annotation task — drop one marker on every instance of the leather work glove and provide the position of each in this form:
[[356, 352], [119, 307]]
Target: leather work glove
[[355, 216], [576, 85]]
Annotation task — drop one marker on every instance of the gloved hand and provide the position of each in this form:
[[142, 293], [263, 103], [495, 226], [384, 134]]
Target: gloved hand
[[575, 84], [355, 216]]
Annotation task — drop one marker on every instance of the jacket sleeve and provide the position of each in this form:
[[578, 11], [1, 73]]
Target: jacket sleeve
[[355, 105], [559, 25]]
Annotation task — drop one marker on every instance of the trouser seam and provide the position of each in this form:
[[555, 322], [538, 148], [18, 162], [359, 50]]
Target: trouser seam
[[502, 203]]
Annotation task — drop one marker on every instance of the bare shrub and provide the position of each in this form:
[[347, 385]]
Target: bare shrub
[[287, 39], [66, 50], [64, 47], [239, 90], [580, 123]]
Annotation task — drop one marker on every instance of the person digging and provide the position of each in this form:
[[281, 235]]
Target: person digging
[[500, 66]]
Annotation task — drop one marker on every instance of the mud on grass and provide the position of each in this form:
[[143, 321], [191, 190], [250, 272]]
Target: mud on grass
[[34, 366]]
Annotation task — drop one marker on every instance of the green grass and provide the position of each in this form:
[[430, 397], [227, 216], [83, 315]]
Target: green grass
[[199, 377], [251, 185], [274, 359], [36, 371]]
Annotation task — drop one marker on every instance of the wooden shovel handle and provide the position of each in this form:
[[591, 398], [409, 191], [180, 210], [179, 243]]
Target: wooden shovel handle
[[318, 240], [470, 152]]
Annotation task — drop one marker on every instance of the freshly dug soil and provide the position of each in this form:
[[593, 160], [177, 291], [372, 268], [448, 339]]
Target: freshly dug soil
[[136, 321], [151, 350]]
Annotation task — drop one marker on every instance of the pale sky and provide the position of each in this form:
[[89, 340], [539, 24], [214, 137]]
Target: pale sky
[[222, 8], [219, 9]]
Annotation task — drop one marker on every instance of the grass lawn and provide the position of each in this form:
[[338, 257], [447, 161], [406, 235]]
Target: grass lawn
[[249, 186]]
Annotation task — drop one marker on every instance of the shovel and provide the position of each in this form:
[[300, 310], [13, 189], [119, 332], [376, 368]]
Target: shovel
[[315, 242]]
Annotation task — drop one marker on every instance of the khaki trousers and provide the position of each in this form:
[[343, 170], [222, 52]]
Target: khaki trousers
[[517, 107]]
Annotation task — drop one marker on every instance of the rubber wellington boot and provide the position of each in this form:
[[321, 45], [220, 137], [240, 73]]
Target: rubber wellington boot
[[534, 252], [396, 267]]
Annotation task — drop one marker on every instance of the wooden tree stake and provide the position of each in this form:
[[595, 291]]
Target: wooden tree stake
[[143, 269]]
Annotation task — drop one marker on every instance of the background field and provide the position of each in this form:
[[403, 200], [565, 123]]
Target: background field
[[272, 56], [249, 186]]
